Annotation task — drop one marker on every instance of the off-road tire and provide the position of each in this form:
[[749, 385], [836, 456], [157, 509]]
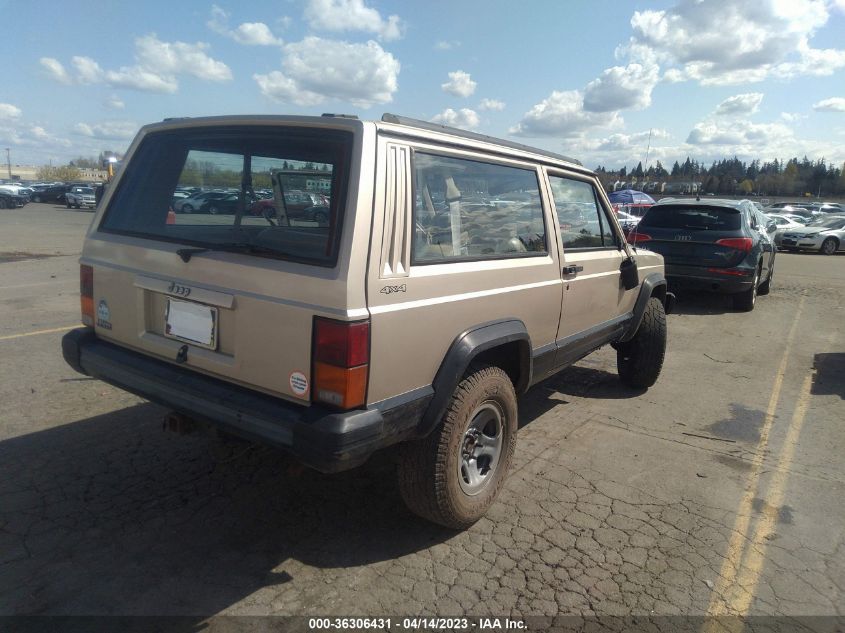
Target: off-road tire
[[428, 468], [746, 300], [640, 360]]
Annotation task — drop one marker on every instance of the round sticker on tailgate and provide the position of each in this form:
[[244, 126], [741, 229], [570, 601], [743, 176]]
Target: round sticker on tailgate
[[298, 383]]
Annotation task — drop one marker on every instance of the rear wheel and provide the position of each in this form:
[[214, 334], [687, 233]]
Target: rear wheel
[[454, 475], [745, 301], [213, 210], [640, 360], [766, 286], [2, 203], [321, 218], [186, 208], [829, 246]]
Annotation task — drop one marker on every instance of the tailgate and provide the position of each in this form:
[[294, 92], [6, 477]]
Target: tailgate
[[230, 289]]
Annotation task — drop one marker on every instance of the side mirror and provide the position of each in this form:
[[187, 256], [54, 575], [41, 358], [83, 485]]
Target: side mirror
[[629, 274], [772, 226]]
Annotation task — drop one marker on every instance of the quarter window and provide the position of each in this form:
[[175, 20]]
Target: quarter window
[[467, 209], [583, 222]]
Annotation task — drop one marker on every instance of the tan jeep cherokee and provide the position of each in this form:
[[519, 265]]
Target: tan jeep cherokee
[[441, 274]]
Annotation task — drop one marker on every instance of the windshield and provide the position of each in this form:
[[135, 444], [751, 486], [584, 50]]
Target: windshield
[[694, 218], [242, 180], [829, 223]]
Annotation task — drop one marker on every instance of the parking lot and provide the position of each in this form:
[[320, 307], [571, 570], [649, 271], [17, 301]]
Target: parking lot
[[718, 491]]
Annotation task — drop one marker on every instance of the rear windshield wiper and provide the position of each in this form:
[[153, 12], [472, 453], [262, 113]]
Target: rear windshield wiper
[[231, 247]]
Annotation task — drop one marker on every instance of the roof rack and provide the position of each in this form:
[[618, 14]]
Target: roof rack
[[445, 129]]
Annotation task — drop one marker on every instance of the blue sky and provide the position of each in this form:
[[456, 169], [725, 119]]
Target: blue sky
[[707, 78]]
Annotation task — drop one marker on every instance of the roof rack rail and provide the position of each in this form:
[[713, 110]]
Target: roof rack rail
[[437, 127], [339, 116]]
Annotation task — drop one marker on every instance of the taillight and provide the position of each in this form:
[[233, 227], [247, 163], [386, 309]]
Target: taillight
[[341, 362], [636, 237], [743, 244], [86, 293]]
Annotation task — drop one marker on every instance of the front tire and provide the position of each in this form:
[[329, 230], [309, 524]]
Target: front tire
[[453, 476], [640, 360], [829, 246]]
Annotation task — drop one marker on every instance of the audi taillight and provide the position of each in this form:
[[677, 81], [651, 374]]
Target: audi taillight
[[636, 237], [341, 362], [743, 244], [86, 293]]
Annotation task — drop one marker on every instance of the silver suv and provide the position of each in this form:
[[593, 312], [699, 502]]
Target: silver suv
[[453, 271]]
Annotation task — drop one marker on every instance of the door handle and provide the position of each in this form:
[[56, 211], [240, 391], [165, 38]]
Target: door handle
[[572, 270]]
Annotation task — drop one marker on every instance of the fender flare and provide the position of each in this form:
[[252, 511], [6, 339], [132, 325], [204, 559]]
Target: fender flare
[[464, 349], [654, 284]]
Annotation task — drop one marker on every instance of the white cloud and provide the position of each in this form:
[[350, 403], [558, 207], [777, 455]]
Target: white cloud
[[460, 84], [443, 45], [179, 58], [723, 42], [834, 104], [622, 88], [351, 15], [114, 102], [638, 140], [56, 70], [463, 118], [108, 130], [491, 104], [247, 33], [739, 133], [746, 103], [562, 114], [87, 70], [139, 78], [158, 68], [8, 111], [317, 69]]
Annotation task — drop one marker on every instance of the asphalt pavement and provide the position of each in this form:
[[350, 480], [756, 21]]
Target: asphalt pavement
[[718, 491]]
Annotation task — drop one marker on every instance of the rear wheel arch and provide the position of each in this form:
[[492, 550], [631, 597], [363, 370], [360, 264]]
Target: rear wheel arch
[[504, 344]]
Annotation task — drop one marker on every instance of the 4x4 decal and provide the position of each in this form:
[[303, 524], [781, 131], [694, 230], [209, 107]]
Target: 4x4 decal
[[391, 289]]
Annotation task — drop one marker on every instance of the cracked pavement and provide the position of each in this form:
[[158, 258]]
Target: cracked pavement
[[620, 502]]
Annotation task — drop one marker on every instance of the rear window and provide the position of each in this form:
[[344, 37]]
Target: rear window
[[269, 192], [703, 218]]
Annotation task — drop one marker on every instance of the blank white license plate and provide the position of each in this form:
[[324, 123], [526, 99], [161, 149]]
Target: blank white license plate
[[191, 322]]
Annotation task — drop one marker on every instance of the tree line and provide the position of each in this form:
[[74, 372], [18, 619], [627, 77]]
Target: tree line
[[732, 176]]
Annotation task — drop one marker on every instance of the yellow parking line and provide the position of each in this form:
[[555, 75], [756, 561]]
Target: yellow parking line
[[755, 557], [720, 604], [37, 332]]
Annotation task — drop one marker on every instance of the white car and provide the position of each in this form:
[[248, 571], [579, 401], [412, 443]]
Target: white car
[[785, 224], [826, 235]]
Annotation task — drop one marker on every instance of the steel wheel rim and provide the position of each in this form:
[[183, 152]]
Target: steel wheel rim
[[481, 448], [829, 247]]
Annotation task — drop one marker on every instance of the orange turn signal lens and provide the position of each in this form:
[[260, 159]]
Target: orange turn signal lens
[[340, 387]]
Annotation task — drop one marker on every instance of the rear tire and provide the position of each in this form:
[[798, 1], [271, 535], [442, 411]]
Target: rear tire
[[186, 208], [766, 286], [453, 476], [640, 360], [745, 301]]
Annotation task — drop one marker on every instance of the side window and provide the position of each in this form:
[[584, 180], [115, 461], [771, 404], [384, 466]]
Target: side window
[[583, 222], [465, 209]]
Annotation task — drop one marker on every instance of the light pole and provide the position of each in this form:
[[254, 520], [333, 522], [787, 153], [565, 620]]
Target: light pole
[[8, 163]]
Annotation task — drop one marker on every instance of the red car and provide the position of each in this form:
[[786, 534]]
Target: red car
[[301, 205]]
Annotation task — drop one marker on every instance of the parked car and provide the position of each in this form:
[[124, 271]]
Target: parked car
[[784, 223], [300, 205], [392, 326], [715, 245], [826, 235], [831, 207], [78, 197], [49, 193], [195, 202], [10, 199]]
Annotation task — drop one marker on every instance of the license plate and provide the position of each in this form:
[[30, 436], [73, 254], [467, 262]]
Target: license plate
[[191, 322]]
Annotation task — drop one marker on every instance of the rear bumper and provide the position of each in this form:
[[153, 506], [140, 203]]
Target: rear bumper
[[696, 278], [326, 440]]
